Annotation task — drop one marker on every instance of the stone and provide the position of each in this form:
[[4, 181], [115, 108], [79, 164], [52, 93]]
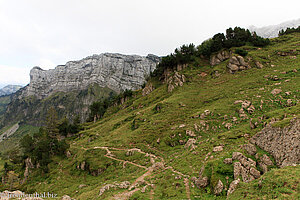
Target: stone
[[201, 182], [254, 172], [237, 169], [190, 144], [246, 104], [282, 143], [266, 160], [237, 156], [289, 102], [259, 65], [233, 185], [251, 109], [228, 161], [218, 188], [219, 57], [263, 166], [82, 186], [237, 63], [228, 125], [276, 91], [115, 71], [218, 148], [250, 149], [190, 133], [66, 197], [148, 89]]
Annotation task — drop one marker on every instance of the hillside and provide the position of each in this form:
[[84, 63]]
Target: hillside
[[73, 87], [9, 89], [192, 137]]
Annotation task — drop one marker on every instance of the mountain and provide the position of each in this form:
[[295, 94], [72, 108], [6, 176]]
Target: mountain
[[73, 87], [227, 131], [9, 89], [273, 30]]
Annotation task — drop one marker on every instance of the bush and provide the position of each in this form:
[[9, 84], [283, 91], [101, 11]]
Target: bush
[[241, 52]]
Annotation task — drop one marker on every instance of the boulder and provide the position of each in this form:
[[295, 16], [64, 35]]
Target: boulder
[[218, 148], [237, 63], [254, 172], [276, 91], [250, 149], [218, 188], [219, 57], [233, 185], [201, 182], [228, 161], [282, 143]]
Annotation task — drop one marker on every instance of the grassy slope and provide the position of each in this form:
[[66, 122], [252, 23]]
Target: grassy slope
[[138, 125], [13, 141]]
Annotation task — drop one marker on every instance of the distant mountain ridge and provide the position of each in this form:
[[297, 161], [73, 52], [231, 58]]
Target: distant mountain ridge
[[9, 89], [73, 87], [273, 30]]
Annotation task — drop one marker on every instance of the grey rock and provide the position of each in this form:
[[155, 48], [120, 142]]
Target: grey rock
[[276, 91], [282, 143], [237, 63], [237, 169], [233, 185], [254, 172], [266, 160], [190, 144], [218, 188], [218, 148], [115, 71], [250, 149], [201, 182], [228, 161], [219, 57]]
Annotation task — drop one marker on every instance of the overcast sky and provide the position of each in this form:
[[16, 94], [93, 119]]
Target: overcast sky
[[47, 33]]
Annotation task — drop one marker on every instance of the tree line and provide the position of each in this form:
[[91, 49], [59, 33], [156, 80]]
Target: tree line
[[49, 141], [288, 31], [236, 37]]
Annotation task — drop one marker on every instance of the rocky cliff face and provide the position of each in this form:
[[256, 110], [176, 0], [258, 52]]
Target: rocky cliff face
[[73, 87], [114, 71]]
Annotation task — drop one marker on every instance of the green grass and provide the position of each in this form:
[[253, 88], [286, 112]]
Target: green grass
[[137, 124], [276, 184], [13, 141]]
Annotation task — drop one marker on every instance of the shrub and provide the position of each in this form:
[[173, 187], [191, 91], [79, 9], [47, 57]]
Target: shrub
[[241, 52]]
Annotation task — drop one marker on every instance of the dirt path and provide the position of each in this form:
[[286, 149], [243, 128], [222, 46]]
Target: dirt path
[[135, 186], [125, 161], [187, 188]]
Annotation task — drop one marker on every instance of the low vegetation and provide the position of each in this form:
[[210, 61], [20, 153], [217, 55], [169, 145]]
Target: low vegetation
[[154, 144]]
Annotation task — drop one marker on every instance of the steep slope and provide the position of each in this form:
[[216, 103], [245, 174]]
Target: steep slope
[[273, 30], [190, 138], [74, 86]]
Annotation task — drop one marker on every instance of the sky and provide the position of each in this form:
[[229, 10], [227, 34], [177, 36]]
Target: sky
[[48, 33]]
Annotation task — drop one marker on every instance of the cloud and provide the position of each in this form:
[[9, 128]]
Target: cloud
[[51, 32]]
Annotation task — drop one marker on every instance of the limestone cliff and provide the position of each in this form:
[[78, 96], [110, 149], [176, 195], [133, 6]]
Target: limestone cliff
[[73, 87], [114, 71]]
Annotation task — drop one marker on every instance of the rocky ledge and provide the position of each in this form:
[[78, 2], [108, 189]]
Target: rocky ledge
[[115, 71]]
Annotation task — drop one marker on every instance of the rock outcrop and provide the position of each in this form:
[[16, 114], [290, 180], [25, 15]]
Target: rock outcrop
[[237, 63], [175, 81], [282, 143], [115, 71], [73, 87], [219, 57]]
